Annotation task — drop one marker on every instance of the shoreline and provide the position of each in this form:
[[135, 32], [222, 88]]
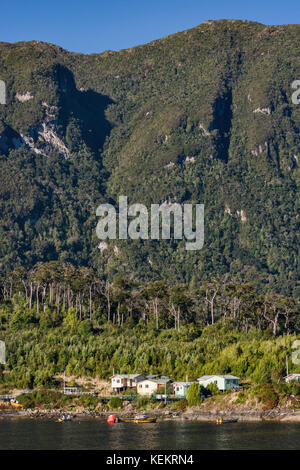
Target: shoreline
[[187, 415]]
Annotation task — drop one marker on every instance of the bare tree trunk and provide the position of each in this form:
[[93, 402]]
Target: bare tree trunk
[[156, 311], [37, 299], [118, 313], [26, 293], [90, 302], [30, 296], [44, 298]]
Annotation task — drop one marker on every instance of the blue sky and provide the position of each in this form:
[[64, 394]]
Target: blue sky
[[94, 26]]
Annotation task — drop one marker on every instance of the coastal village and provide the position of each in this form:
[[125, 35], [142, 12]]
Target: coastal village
[[155, 386], [220, 398]]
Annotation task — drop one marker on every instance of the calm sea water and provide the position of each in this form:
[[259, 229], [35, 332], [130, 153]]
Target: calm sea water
[[97, 434]]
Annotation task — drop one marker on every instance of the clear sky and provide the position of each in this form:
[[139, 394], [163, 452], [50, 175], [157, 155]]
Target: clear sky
[[94, 26]]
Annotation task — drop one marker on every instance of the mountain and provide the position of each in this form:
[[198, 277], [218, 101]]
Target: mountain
[[201, 116]]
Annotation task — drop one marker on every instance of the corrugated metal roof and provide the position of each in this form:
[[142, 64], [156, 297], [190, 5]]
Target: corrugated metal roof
[[184, 384], [157, 381], [127, 376], [224, 376]]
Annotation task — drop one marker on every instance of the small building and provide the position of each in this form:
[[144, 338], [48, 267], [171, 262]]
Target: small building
[[75, 390], [150, 386], [181, 388], [292, 378], [120, 382], [223, 382]]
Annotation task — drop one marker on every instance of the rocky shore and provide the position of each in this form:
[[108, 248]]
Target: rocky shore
[[190, 414]]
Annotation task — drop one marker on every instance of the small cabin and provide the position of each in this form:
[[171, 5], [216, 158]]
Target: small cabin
[[223, 382], [75, 390], [120, 382], [292, 378], [150, 386], [181, 388]]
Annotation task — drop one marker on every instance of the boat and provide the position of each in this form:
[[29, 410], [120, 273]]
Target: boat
[[137, 419], [62, 419], [15, 403], [226, 420], [126, 420], [144, 419]]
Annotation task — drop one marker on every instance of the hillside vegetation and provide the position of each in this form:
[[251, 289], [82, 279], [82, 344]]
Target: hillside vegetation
[[58, 318], [202, 116]]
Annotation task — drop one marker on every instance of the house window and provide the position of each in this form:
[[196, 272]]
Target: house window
[[177, 388], [146, 386]]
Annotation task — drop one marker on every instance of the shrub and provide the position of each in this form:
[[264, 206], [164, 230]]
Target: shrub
[[241, 398], [142, 402], [115, 403], [266, 395], [44, 399], [181, 404], [194, 394], [161, 405], [85, 328], [88, 401], [211, 389]]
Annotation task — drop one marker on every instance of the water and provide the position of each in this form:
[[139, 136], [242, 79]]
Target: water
[[167, 435]]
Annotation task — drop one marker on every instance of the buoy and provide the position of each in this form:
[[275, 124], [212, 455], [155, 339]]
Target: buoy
[[111, 419]]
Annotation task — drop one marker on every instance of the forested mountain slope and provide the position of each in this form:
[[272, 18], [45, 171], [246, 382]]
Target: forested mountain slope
[[202, 116]]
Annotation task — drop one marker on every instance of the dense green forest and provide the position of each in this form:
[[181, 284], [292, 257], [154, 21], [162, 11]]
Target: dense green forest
[[58, 318], [202, 116]]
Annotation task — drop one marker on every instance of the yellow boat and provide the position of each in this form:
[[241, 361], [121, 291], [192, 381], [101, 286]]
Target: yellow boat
[[15, 403], [144, 419], [62, 419], [225, 421]]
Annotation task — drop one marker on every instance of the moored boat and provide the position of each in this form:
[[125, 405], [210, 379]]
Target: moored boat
[[15, 403], [226, 420], [137, 419], [62, 419], [144, 419]]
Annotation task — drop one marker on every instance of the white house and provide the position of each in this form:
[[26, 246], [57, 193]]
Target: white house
[[150, 386], [223, 382], [120, 382], [292, 378], [181, 388]]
